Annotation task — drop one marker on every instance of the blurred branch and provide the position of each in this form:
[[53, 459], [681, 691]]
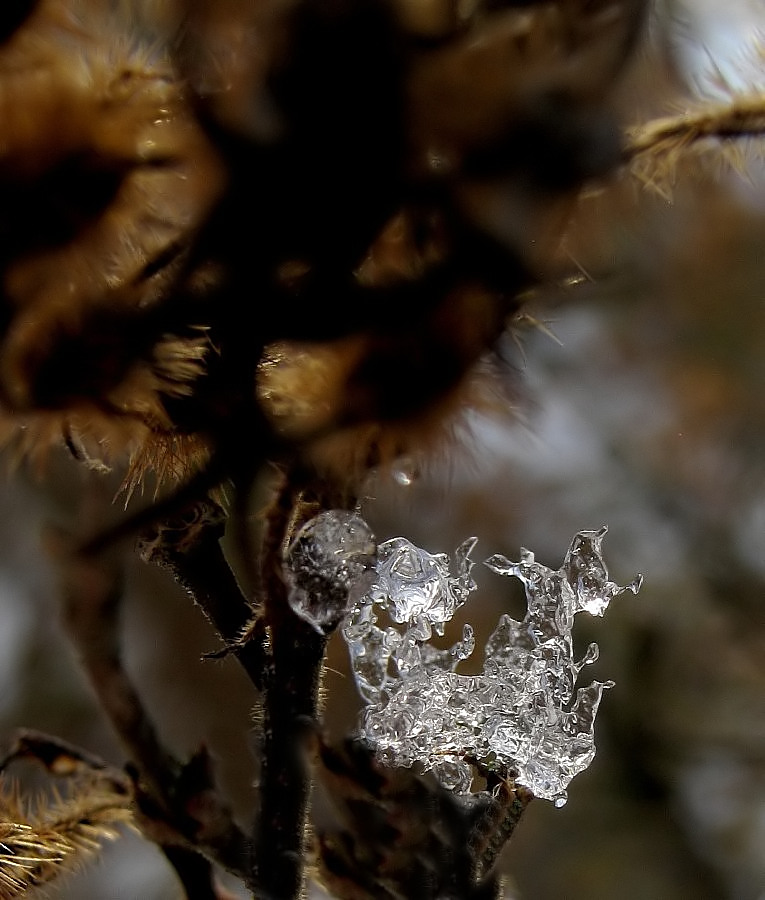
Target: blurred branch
[[177, 801], [401, 835], [59, 757], [654, 149]]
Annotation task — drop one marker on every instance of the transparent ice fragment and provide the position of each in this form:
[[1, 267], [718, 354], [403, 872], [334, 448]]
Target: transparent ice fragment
[[523, 712], [587, 575], [454, 774], [328, 565], [415, 589], [413, 584], [464, 648], [369, 659]]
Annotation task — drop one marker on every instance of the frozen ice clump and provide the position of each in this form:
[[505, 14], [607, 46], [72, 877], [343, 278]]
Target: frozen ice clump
[[414, 585], [328, 565], [415, 589], [523, 715]]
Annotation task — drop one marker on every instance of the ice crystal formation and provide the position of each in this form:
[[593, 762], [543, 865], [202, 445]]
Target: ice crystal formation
[[329, 564], [523, 714]]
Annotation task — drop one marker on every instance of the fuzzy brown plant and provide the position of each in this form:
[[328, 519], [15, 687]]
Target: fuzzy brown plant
[[393, 210], [104, 174], [41, 842], [655, 150]]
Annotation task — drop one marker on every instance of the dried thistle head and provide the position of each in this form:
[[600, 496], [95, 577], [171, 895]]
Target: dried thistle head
[[362, 190], [104, 175], [420, 164]]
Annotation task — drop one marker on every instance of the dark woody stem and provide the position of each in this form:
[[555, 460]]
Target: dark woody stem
[[194, 872], [292, 700], [281, 654], [189, 548], [496, 825], [177, 803]]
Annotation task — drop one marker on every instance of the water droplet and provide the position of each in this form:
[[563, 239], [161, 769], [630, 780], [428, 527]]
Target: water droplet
[[327, 565], [405, 472]]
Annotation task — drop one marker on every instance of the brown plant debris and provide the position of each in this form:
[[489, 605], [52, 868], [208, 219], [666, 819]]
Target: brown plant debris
[[42, 841], [655, 149]]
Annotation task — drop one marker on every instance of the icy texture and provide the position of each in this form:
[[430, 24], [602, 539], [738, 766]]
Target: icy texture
[[415, 588], [328, 566], [522, 714]]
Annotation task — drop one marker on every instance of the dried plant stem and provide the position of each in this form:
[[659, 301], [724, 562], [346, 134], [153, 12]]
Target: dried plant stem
[[189, 548], [653, 149], [291, 704], [290, 712], [36, 850], [496, 825], [212, 476], [194, 872], [743, 116], [167, 789], [60, 757], [38, 844], [92, 591]]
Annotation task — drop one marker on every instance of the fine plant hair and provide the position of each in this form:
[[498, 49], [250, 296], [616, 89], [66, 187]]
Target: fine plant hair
[[279, 242], [655, 150], [46, 837]]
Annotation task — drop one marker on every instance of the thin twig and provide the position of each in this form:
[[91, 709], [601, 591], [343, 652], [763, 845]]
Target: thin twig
[[653, 150], [742, 116], [189, 548], [497, 823], [167, 790], [59, 757]]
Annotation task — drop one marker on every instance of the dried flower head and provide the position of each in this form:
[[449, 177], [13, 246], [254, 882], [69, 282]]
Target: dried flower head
[[347, 197]]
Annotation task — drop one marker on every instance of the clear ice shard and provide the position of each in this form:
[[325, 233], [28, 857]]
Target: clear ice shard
[[328, 565], [522, 715], [415, 589]]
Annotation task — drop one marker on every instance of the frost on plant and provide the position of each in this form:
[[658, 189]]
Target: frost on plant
[[523, 713], [416, 589], [328, 565]]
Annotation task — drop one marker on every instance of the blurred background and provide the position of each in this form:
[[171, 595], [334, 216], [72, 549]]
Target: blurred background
[[645, 411]]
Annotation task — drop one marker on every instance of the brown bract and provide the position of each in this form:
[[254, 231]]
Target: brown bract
[[348, 198]]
